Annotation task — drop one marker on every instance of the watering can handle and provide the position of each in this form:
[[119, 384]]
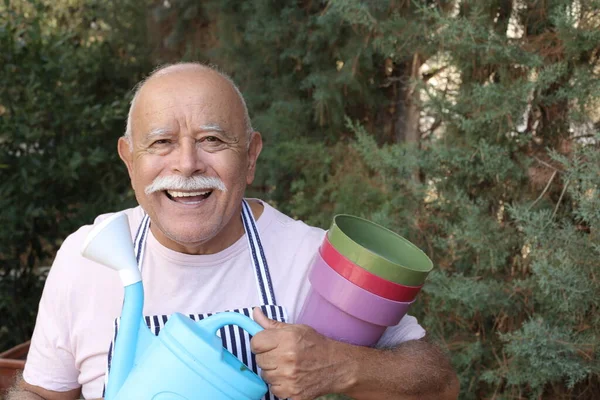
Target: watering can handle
[[217, 321]]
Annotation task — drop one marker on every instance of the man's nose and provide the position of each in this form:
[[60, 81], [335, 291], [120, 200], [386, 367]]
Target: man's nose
[[189, 159]]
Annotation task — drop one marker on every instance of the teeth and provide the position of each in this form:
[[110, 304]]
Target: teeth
[[173, 193]]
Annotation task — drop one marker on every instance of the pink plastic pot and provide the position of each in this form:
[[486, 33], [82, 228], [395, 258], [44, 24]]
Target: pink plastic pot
[[363, 278], [341, 310]]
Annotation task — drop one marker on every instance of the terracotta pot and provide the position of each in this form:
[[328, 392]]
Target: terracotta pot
[[12, 362]]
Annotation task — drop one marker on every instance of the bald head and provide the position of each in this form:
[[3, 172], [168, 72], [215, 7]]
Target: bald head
[[186, 69], [189, 156]]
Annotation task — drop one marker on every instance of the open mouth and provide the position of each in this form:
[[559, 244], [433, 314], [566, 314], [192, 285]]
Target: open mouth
[[188, 197]]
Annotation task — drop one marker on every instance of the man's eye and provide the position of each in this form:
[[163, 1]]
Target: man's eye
[[161, 142], [212, 139]]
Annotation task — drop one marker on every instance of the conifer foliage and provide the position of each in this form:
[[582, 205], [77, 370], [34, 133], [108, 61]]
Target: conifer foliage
[[65, 78], [471, 128]]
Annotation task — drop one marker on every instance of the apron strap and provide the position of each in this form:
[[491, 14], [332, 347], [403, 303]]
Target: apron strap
[[139, 244], [261, 268]]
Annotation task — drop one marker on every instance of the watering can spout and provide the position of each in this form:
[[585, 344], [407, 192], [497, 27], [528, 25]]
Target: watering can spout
[[109, 243]]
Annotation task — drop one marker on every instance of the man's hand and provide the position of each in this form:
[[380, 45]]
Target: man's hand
[[297, 361]]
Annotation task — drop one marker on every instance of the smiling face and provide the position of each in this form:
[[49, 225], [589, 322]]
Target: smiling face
[[190, 159]]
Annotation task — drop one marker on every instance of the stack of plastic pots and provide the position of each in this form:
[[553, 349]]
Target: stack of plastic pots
[[363, 279]]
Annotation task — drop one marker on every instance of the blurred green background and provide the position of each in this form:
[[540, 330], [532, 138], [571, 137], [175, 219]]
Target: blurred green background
[[469, 127]]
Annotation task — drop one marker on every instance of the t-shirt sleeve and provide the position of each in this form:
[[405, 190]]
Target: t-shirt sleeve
[[407, 329], [50, 362]]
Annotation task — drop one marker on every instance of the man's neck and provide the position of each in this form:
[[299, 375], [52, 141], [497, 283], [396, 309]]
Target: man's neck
[[227, 237]]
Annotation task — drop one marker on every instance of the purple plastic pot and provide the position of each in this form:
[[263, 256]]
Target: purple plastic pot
[[340, 310]]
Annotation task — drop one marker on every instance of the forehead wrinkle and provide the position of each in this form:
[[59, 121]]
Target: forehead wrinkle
[[211, 126], [150, 110], [160, 110]]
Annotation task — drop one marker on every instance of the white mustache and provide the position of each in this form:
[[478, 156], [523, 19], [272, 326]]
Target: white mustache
[[189, 183]]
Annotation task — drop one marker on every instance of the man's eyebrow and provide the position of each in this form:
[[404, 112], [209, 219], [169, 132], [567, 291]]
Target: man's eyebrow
[[217, 128], [212, 128], [202, 128], [157, 132]]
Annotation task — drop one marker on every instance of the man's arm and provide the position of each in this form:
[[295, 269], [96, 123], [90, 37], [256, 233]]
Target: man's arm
[[415, 369], [300, 363], [24, 391]]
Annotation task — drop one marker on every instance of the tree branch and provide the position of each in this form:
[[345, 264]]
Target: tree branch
[[545, 189]]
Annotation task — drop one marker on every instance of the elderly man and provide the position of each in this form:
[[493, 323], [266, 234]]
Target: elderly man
[[202, 248]]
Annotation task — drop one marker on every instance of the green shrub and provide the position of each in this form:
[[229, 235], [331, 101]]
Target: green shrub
[[63, 101]]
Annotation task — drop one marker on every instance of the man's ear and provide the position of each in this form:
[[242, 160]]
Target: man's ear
[[253, 153], [125, 149]]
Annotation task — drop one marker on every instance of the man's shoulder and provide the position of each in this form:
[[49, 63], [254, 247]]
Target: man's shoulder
[[76, 239], [73, 278], [284, 228]]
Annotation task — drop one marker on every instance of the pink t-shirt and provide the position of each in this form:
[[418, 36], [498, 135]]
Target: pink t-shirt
[[81, 298]]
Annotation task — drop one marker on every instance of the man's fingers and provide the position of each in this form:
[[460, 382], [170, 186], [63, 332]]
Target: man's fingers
[[265, 362], [268, 339], [265, 322], [264, 341], [276, 385], [269, 377]]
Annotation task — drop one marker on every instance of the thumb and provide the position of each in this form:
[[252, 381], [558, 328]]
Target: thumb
[[264, 321]]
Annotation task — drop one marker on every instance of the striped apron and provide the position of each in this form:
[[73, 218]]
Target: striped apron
[[235, 339]]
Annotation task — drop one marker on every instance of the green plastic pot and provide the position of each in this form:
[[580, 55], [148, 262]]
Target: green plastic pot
[[379, 250]]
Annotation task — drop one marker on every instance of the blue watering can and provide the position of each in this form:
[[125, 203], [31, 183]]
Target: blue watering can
[[186, 360]]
